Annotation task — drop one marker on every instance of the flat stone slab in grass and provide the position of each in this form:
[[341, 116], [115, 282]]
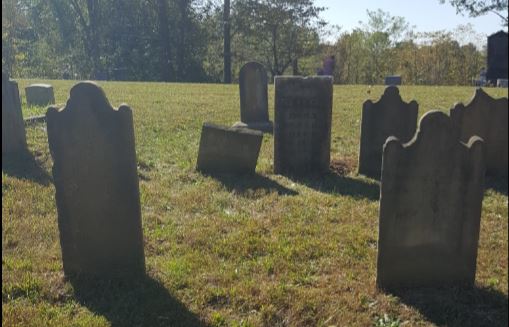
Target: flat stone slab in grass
[[430, 208], [13, 128], [228, 150], [96, 183], [390, 116], [302, 129], [488, 118], [39, 94]]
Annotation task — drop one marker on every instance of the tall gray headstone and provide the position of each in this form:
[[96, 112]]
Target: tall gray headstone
[[254, 103], [228, 150], [488, 118], [13, 128], [390, 116], [302, 130], [96, 183], [430, 208], [39, 94]]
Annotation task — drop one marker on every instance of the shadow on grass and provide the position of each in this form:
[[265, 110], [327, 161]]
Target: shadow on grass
[[334, 183], [457, 306], [25, 166], [246, 185], [144, 302], [498, 184]]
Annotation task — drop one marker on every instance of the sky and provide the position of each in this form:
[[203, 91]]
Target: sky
[[425, 15]]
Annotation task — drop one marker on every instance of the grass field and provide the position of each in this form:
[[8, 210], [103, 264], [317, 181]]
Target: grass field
[[258, 251]]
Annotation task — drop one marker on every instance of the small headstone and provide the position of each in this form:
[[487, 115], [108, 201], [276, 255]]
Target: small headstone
[[390, 116], [254, 103], [13, 128], [228, 150], [39, 94], [393, 80], [302, 130], [96, 183], [487, 118], [503, 82], [430, 208]]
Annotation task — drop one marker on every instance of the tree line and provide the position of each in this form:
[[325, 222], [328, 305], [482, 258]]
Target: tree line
[[209, 40]]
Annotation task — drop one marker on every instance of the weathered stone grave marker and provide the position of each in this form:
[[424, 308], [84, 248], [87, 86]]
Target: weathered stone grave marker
[[254, 103], [96, 182], [393, 80], [390, 116], [228, 150], [39, 94], [302, 130], [486, 117], [13, 128], [430, 207]]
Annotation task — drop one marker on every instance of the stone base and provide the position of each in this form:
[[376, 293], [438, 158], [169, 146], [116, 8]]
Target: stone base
[[266, 127]]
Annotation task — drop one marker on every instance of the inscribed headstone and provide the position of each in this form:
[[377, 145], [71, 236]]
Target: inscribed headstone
[[228, 150], [430, 207], [13, 128], [96, 183], [390, 116], [487, 118], [39, 94], [302, 130], [254, 104]]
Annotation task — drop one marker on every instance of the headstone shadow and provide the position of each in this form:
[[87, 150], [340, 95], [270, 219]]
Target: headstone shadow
[[458, 306], [497, 184], [25, 166], [144, 302], [333, 183], [245, 185]]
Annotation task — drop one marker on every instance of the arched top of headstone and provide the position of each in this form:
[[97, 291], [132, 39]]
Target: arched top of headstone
[[481, 101], [436, 129], [253, 65], [391, 99], [88, 96]]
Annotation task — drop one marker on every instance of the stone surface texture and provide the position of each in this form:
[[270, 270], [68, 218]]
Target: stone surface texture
[[254, 103], [96, 183], [13, 128], [39, 94], [430, 208], [302, 128], [390, 116], [487, 118], [228, 150]]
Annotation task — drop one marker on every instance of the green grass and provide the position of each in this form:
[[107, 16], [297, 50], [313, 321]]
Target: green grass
[[258, 251]]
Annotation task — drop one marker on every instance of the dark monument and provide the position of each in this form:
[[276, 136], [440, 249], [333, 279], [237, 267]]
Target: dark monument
[[302, 130], [96, 183], [13, 129], [430, 207], [497, 57]]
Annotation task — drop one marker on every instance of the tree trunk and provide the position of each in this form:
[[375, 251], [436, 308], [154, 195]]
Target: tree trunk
[[227, 78], [164, 34]]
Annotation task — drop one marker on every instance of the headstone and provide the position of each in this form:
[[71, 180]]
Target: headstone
[[39, 94], [254, 103], [390, 116], [487, 118], [393, 80], [497, 56], [13, 128], [96, 183], [228, 150], [302, 130], [503, 82], [430, 208]]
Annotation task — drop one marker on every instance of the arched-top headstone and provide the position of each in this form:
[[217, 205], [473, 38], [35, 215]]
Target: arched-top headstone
[[390, 116], [254, 103], [430, 207], [96, 182], [13, 128], [487, 118]]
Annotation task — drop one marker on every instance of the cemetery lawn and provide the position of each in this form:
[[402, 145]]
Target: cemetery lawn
[[265, 250]]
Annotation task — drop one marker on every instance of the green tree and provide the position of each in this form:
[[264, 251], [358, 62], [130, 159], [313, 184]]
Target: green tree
[[477, 8]]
